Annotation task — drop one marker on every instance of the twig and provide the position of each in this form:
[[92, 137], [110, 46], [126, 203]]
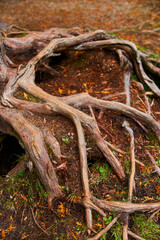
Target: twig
[[22, 215], [113, 95], [45, 68], [62, 166], [157, 169], [109, 144], [100, 114], [93, 230], [100, 234], [131, 179], [114, 147], [127, 77], [135, 236], [141, 125], [38, 223], [104, 129], [84, 170], [140, 163], [143, 102], [153, 214], [146, 104], [46, 229]]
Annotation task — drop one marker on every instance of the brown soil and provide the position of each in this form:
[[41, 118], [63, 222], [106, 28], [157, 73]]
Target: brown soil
[[99, 73]]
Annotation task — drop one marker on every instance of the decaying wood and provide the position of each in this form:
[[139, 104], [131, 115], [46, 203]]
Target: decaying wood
[[21, 166], [33, 139]]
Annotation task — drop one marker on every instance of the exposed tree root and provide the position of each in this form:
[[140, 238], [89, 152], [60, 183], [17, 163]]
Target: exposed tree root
[[34, 140]]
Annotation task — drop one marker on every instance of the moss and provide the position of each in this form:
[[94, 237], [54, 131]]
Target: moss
[[27, 96], [145, 227], [151, 137]]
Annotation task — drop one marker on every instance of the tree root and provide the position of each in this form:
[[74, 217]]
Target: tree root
[[34, 139]]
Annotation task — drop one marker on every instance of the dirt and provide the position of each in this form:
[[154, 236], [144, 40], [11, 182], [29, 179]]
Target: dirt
[[99, 74]]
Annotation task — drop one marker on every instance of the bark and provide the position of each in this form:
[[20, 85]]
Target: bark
[[34, 140]]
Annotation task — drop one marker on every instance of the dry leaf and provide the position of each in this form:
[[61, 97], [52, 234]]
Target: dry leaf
[[3, 233], [24, 198], [78, 223], [43, 224], [106, 90], [74, 236], [60, 90], [98, 225], [25, 95], [24, 236], [11, 227], [61, 209]]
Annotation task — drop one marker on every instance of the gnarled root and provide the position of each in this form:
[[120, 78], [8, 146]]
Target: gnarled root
[[34, 140]]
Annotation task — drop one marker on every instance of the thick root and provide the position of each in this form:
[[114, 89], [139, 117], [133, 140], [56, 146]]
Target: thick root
[[34, 140]]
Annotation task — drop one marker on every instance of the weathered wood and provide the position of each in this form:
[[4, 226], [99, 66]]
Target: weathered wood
[[34, 140]]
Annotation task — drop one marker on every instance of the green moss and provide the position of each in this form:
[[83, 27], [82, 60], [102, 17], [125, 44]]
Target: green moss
[[142, 49], [155, 56], [145, 227], [134, 77], [17, 34], [127, 166], [117, 231], [151, 137], [112, 33], [24, 188], [27, 96]]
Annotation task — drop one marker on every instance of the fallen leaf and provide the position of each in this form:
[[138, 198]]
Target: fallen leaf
[[74, 236], [24, 198], [11, 227], [24, 236], [43, 224], [148, 198], [98, 225], [25, 95], [60, 90], [78, 223], [106, 90], [61, 209], [3, 233]]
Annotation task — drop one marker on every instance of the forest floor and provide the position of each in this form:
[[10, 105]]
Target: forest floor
[[23, 201]]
